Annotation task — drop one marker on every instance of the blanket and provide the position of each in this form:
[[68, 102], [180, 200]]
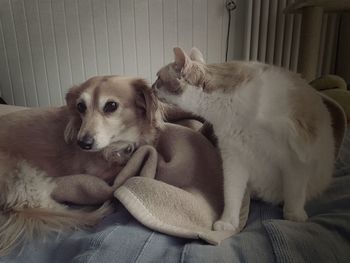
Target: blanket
[[174, 187]]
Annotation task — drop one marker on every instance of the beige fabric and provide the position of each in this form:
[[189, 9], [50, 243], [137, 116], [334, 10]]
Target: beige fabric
[[187, 197], [172, 210]]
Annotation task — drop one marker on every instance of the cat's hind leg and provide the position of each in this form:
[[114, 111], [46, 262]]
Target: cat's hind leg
[[295, 182]]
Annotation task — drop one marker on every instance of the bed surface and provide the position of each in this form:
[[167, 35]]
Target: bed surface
[[266, 238]]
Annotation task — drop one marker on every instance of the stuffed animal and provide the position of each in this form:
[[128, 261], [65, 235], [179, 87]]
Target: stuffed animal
[[336, 88]]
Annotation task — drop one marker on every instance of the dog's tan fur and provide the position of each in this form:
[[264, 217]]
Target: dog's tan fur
[[37, 144]]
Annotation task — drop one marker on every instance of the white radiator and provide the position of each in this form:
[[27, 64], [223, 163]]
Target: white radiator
[[273, 37]]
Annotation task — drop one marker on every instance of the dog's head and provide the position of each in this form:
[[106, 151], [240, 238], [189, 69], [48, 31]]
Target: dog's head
[[174, 78], [110, 109]]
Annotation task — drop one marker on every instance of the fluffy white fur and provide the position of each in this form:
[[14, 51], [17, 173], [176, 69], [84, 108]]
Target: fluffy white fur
[[273, 130], [27, 186]]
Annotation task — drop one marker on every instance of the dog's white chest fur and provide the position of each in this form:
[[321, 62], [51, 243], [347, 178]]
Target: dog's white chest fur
[[28, 187]]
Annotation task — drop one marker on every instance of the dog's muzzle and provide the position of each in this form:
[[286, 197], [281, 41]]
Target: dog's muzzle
[[86, 143]]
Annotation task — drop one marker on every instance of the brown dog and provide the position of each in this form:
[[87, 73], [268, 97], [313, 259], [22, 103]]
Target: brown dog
[[105, 119]]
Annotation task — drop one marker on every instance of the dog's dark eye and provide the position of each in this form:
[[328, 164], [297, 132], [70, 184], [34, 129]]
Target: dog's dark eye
[[110, 106], [81, 107]]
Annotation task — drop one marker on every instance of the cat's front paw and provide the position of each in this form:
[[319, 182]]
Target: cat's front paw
[[297, 216], [221, 225]]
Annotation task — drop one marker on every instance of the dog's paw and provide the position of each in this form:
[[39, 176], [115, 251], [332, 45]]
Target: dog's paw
[[221, 225], [119, 152], [297, 216]]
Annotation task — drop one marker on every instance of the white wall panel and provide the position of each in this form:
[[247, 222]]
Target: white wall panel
[[215, 13], [46, 46], [25, 58], [142, 39], [116, 59], [101, 36], [87, 37], [170, 11], [185, 23], [11, 48], [61, 40], [74, 41], [128, 37], [50, 51], [37, 51], [156, 36], [5, 86], [200, 25]]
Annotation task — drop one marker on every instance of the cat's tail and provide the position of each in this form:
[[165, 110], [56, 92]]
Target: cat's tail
[[301, 138], [322, 125], [316, 137]]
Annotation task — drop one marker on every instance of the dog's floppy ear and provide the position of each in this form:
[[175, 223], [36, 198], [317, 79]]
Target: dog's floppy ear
[[72, 95], [146, 100], [196, 55], [74, 121], [72, 128]]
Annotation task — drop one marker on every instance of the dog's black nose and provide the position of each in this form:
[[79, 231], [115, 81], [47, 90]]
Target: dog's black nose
[[86, 143]]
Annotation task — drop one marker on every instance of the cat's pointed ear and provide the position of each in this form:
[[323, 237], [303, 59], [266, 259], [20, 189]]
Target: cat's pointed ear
[[182, 60], [196, 55]]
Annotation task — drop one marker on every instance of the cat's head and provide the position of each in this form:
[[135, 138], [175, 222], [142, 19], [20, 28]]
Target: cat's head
[[185, 71]]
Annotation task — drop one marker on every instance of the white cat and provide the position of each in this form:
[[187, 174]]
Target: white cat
[[273, 130]]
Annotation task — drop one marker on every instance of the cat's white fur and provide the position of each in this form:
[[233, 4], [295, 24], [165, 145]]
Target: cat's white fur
[[273, 130]]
